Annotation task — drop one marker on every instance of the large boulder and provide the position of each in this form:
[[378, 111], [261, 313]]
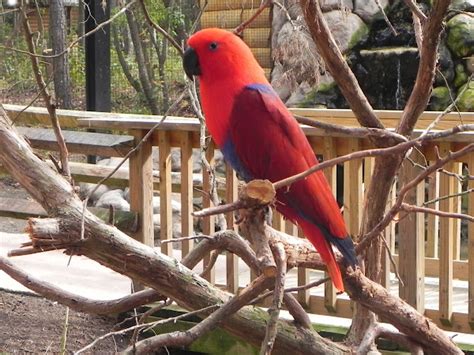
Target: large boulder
[[461, 35], [115, 199], [329, 5], [369, 10], [348, 29], [462, 5], [440, 98], [466, 97]]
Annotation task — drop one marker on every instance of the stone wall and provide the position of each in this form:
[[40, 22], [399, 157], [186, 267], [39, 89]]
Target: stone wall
[[384, 63]]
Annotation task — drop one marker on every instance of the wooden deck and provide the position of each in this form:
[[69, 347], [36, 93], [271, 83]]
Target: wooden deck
[[437, 276]]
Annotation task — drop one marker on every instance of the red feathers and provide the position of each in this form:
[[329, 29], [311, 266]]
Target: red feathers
[[261, 139]]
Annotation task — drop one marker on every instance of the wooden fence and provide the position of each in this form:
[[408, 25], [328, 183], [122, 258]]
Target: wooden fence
[[434, 255], [228, 14]]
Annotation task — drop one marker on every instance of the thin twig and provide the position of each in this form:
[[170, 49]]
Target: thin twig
[[385, 17], [160, 29], [183, 338], [238, 30], [183, 239], [141, 326], [415, 10], [77, 40], [351, 131], [375, 232], [63, 151], [145, 316], [221, 221], [418, 209], [124, 159]]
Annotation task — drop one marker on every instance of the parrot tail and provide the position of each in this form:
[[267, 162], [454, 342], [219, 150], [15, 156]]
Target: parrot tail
[[317, 238]]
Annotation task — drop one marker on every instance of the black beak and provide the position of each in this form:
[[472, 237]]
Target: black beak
[[191, 63]]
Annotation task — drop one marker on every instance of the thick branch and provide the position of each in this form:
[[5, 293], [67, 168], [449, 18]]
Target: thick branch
[[110, 247], [76, 302]]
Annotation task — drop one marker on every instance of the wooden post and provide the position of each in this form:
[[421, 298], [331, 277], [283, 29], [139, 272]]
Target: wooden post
[[141, 188], [446, 249], [352, 189], [186, 190], [232, 261], [411, 238], [141, 192], [166, 212], [330, 296], [457, 169], [433, 220], [208, 222], [470, 260]]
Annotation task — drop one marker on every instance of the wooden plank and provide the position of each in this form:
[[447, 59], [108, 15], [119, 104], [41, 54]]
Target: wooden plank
[[457, 169], [470, 231], [454, 118], [411, 239], [232, 261], [329, 152], [90, 119], [141, 189], [352, 189], [432, 232], [460, 268], [459, 323], [166, 213], [278, 222], [303, 279], [208, 223], [233, 18], [446, 187], [110, 145], [187, 226]]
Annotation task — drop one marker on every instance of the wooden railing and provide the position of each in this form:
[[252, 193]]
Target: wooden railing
[[428, 250]]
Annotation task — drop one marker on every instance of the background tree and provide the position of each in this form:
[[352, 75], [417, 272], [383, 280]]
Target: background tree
[[58, 30]]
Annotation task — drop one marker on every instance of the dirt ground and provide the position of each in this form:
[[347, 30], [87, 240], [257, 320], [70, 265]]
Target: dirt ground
[[31, 324]]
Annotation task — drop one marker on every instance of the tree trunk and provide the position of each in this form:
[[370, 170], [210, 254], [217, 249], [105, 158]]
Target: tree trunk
[[58, 32], [148, 90]]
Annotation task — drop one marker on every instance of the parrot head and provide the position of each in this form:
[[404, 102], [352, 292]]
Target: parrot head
[[214, 54]]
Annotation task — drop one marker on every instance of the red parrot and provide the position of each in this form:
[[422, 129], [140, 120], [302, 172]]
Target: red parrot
[[261, 139]]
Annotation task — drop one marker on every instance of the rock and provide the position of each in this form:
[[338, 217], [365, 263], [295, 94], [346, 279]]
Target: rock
[[445, 66], [368, 10], [460, 77], [157, 228], [115, 199], [297, 63], [440, 98], [175, 204], [86, 188], [462, 5], [348, 29], [298, 95], [466, 98], [461, 35], [113, 161], [330, 5], [386, 75]]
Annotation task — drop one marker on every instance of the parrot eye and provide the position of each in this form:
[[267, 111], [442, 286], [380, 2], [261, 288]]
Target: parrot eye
[[213, 46]]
